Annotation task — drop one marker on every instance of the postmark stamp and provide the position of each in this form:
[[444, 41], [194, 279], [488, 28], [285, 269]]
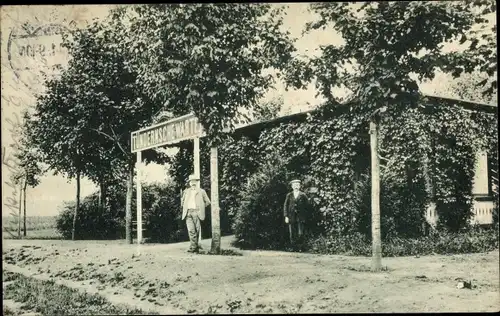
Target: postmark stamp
[[35, 52]]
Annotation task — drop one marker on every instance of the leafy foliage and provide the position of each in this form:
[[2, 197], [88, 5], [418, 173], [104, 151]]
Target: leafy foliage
[[161, 215], [259, 222], [480, 56], [403, 211], [467, 87], [331, 155], [207, 58], [268, 110], [240, 159], [384, 43], [91, 222], [211, 59], [472, 241], [28, 158], [388, 49], [145, 59]]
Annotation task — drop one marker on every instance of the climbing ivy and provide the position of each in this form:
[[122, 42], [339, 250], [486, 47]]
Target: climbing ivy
[[427, 153]]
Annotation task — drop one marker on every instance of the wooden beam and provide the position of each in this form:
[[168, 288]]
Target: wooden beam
[[138, 167], [214, 192], [196, 158], [375, 166]]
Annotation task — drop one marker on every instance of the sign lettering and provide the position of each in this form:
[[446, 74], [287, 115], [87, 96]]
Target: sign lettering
[[165, 133]]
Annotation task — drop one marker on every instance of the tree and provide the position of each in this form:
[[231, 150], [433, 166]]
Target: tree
[[389, 47], [480, 57], [28, 169], [56, 135], [29, 173], [208, 59], [468, 87], [268, 110], [96, 104]]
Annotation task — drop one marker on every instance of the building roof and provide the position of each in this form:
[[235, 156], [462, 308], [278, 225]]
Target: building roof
[[256, 127]]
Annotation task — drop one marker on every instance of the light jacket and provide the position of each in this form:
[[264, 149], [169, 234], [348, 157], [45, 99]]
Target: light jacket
[[201, 199]]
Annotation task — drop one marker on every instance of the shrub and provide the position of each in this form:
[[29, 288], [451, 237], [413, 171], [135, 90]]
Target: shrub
[[402, 206], [91, 222], [161, 215], [471, 241], [259, 222], [239, 158]]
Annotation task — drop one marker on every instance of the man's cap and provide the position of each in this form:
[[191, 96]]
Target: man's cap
[[193, 177], [294, 181]]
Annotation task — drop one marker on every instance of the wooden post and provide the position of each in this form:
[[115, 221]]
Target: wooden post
[[376, 235], [139, 200], [196, 158], [196, 168], [214, 192]]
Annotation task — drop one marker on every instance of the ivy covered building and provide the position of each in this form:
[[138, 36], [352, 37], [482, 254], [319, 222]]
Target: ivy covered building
[[483, 176]]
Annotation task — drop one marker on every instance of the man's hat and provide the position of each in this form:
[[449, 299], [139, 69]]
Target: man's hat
[[294, 181], [193, 177]]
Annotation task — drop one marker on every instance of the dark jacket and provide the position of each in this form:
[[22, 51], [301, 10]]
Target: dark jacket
[[296, 209]]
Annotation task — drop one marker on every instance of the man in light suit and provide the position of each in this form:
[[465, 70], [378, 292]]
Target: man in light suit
[[193, 203], [296, 210]]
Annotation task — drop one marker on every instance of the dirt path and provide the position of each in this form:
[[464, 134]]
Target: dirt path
[[167, 279]]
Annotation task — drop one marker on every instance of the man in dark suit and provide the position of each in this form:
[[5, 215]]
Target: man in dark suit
[[296, 210]]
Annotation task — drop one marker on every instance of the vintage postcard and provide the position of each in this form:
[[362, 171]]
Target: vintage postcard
[[330, 157]]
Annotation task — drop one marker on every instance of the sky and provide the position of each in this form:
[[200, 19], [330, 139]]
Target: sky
[[22, 80]]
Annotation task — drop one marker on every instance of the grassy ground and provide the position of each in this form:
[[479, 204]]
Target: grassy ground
[[48, 298], [168, 280]]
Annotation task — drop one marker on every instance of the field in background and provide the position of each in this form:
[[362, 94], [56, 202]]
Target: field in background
[[43, 227], [32, 222]]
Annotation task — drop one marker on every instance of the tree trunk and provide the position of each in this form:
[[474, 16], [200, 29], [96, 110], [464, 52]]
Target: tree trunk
[[102, 196], [214, 190], [99, 198], [77, 206], [128, 204], [20, 209], [376, 234], [24, 206]]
